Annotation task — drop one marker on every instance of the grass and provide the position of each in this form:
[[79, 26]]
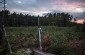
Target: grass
[[59, 35], [54, 31]]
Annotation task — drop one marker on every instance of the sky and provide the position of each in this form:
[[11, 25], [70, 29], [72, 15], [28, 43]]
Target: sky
[[42, 7]]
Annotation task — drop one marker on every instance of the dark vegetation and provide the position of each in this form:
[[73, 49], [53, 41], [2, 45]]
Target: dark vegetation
[[57, 40], [14, 19], [59, 36]]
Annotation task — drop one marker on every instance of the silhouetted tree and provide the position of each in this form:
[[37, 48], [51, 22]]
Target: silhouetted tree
[[59, 19]]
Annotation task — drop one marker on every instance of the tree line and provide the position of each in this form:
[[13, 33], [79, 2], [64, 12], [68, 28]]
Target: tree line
[[56, 19]]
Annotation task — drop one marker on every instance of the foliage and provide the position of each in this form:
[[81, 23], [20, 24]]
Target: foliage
[[19, 52], [55, 39], [80, 27], [14, 19]]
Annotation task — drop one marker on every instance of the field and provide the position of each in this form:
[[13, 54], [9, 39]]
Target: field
[[53, 31], [57, 38]]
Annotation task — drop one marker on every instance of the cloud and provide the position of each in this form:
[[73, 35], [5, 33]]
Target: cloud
[[40, 7], [75, 0]]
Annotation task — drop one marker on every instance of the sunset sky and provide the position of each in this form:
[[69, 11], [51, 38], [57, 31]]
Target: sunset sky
[[80, 21], [41, 7]]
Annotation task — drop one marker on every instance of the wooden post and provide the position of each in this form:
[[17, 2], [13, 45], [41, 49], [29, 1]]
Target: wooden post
[[39, 34]]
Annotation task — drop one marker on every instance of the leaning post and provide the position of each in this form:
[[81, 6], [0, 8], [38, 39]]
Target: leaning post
[[39, 34]]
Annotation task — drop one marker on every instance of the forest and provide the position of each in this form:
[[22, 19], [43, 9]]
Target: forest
[[51, 19]]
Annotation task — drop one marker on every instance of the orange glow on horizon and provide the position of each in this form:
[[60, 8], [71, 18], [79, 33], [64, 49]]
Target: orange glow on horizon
[[80, 21]]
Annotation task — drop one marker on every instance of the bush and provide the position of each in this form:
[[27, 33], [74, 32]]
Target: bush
[[60, 49]]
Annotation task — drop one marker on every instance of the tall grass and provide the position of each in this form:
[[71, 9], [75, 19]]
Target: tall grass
[[59, 36]]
